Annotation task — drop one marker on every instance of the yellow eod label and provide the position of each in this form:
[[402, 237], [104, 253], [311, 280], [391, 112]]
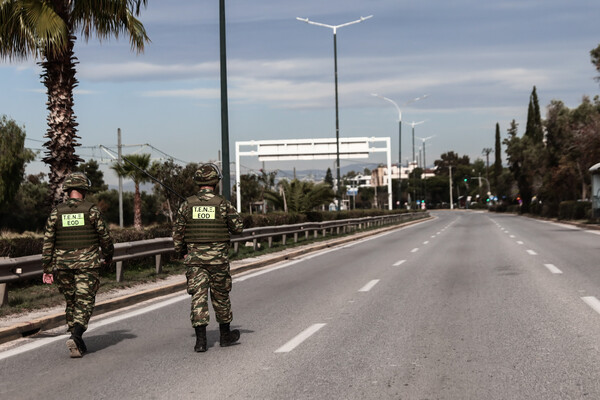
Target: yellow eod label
[[69, 220], [203, 212]]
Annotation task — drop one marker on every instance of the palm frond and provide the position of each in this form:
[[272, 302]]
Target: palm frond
[[30, 28]]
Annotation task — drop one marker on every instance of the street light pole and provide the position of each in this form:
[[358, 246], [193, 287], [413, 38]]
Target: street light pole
[[423, 140], [399, 138], [413, 124], [337, 120], [225, 182]]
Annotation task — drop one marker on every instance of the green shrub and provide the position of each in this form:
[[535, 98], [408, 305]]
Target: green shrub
[[572, 210]]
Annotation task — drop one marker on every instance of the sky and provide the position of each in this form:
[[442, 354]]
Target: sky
[[476, 60]]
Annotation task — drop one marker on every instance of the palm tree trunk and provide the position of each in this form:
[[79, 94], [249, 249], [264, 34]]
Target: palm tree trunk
[[137, 208], [59, 79]]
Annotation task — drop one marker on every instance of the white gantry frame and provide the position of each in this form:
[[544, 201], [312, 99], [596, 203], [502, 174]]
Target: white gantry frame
[[310, 149]]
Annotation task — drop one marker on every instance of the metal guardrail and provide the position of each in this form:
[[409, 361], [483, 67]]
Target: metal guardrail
[[15, 269]]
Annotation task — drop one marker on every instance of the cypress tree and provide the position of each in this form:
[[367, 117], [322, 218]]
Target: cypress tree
[[534, 129], [498, 157]]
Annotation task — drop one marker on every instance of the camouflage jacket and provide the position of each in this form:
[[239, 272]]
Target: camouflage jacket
[[205, 253], [85, 258]]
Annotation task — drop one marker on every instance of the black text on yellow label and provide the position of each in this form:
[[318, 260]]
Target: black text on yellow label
[[76, 219], [203, 212]]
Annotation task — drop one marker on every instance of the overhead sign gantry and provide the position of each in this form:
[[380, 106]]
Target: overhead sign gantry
[[310, 149]]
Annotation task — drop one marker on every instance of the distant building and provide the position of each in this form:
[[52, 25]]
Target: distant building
[[379, 175], [360, 181]]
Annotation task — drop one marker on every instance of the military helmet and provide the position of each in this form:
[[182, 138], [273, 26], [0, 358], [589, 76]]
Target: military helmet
[[207, 174], [77, 180]]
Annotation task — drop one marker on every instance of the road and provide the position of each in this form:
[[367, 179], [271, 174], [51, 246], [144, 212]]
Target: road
[[468, 305]]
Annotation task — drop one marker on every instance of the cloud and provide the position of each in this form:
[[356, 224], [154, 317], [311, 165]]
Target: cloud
[[141, 71]]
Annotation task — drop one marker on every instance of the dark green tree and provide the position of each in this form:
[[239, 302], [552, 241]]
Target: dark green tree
[[329, 178], [534, 128], [92, 170], [29, 209], [497, 158], [595, 55], [14, 158], [179, 179], [47, 29], [525, 158]]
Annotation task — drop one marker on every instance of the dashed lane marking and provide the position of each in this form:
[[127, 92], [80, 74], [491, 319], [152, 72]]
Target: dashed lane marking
[[414, 250], [552, 268], [397, 263], [533, 253], [369, 285], [592, 302], [298, 339]]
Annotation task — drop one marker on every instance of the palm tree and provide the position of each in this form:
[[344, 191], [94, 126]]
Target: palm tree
[[46, 29], [136, 174], [300, 196]]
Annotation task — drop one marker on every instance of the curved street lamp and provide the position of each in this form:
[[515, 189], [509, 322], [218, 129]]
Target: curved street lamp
[[400, 135], [337, 120]]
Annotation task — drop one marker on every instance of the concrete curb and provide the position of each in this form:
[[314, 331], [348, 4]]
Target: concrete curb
[[32, 327]]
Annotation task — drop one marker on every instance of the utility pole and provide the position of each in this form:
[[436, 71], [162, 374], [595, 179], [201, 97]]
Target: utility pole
[[450, 181], [120, 179]]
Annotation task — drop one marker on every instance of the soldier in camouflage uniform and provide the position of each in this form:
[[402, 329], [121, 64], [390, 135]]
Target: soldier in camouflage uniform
[[201, 234], [74, 233]]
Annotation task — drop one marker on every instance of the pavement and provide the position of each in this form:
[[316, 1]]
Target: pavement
[[18, 326]]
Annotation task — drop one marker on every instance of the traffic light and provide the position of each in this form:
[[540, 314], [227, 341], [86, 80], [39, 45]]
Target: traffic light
[[465, 179]]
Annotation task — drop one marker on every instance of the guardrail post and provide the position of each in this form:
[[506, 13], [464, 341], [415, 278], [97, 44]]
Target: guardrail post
[[3, 294], [270, 241], [254, 244], [158, 263], [295, 237], [236, 247], [337, 230], [324, 232], [316, 233], [119, 271], [284, 239], [306, 235]]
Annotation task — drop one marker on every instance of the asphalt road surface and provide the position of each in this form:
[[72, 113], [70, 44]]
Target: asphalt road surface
[[468, 305]]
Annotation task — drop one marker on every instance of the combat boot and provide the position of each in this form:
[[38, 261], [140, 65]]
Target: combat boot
[[75, 343], [200, 346], [228, 337]]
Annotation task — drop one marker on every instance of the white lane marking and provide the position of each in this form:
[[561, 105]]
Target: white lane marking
[[264, 271], [369, 285], [519, 242], [42, 342], [426, 242], [298, 339], [592, 302], [512, 236], [432, 236], [553, 268], [594, 232], [439, 233], [414, 250], [533, 253], [397, 263]]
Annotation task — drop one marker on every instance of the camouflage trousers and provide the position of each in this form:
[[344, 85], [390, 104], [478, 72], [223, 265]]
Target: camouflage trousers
[[79, 286], [201, 278]]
